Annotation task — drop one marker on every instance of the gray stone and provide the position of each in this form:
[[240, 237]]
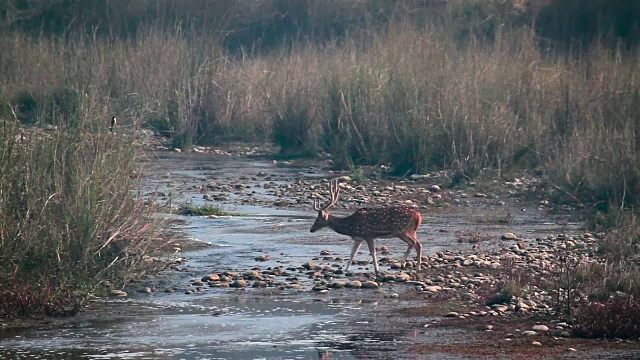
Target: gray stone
[[540, 327], [370, 285], [118, 293], [433, 289], [211, 277], [239, 283]]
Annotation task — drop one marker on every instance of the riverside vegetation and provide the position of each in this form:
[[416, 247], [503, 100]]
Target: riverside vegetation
[[415, 85]]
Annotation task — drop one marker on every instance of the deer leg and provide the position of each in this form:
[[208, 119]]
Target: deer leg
[[418, 247], [372, 249], [356, 246], [411, 242]]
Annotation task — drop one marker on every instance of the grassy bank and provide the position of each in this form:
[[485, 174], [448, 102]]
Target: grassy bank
[[69, 218]]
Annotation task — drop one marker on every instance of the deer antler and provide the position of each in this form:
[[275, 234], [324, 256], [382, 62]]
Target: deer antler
[[334, 190]]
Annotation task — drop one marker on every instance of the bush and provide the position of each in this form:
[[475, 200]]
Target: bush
[[35, 300], [25, 107], [616, 318], [506, 291], [68, 216]]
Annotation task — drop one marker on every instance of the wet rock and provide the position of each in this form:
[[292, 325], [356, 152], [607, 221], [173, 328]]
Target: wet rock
[[118, 293], [263, 258], [197, 283], [252, 275], [486, 327], [540, 327], [260, 284], [434, 188], [339, 285], [451, 314], [394, 296], [433, 289], [509, 236], [311, 266], [146, 290], [354, 284], [571, 349], [370, 285], [325, 252], [210, 277], [239, 283], [529, 333], [536, 343], [500, 308]]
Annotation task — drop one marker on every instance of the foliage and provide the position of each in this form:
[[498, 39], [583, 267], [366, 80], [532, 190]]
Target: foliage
[[616, 318], [205, 210], [68, 216]]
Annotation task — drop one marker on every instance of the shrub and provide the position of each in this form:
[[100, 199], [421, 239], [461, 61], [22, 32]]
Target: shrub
[[506, 291], [35, 300], [616, 318], [68, 216], [25, 107]]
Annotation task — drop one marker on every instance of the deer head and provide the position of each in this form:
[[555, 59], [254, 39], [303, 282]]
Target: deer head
[[323, 212]]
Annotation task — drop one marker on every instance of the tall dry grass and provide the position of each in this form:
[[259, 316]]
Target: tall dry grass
[[411, 97], [70, 218]]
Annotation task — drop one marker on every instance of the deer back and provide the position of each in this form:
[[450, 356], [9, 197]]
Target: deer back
[[380, 222]]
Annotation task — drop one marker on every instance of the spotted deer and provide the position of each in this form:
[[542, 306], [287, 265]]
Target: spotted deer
[[367, 224]]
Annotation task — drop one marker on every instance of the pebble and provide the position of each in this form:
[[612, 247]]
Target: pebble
[[451, 314], [211, 277], [529, 333], [355, 284], [540, 328], [260, 284], [509, 236], [370, 285], [433, 289], [118, 293], [263, 258], [536, 343], [239, 283]]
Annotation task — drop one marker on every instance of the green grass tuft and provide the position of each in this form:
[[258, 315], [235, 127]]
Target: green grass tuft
[[205, 210]]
